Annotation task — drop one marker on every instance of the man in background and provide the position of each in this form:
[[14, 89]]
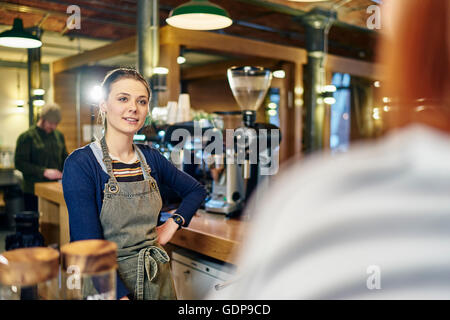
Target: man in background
[[40, 153]]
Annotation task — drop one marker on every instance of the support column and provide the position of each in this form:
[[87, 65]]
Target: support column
[[317, 23], [148, 41]]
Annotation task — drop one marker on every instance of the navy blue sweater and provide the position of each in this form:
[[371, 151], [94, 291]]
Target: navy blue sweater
[[84, 181]]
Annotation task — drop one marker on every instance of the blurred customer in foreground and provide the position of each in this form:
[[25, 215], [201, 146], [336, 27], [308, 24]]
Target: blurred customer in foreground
[[40, 153], [373, 223]]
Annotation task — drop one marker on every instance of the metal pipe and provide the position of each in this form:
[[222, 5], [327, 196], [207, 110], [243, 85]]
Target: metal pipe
[[34, 74], [317, 23], [148, 41]]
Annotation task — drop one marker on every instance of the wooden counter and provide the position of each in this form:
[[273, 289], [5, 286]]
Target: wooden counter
[[210, 234], [53, 214]]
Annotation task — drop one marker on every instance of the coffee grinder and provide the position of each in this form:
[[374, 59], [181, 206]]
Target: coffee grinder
[[249, 154], [227, 193]]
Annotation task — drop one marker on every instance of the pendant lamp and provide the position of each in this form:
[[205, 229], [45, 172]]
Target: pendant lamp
[[17, 37], [199, 15]]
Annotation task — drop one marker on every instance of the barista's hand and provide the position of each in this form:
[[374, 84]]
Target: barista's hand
[[166, 231], [52, 174]]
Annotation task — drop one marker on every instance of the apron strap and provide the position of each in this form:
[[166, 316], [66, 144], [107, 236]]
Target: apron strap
[[106, 158], [113, 185], [147, 261], [144, 165]]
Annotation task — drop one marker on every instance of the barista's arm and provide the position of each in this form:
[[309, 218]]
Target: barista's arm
[[189, 189]]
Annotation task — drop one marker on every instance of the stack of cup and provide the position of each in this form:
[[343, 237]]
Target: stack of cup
[[172, 111], [184, 108]]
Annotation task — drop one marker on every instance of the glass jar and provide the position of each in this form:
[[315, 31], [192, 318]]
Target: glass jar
[[89, 270], [29, 274]]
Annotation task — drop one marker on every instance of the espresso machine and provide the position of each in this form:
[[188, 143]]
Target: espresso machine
[[249, 150]]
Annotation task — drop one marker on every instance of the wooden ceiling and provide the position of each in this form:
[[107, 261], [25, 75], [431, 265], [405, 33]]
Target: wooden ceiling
[[272, 20]]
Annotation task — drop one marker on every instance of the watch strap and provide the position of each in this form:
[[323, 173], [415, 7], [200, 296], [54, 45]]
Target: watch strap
[[178, 220]]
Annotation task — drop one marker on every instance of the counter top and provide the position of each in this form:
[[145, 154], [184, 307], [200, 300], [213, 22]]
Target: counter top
[[51, 191], [213, 235], [210, 234]]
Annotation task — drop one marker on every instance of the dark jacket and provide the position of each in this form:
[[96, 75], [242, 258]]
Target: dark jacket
[[36, 151]]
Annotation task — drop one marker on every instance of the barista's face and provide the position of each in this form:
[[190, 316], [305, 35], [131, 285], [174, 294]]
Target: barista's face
[[126, 106], [48, 126]]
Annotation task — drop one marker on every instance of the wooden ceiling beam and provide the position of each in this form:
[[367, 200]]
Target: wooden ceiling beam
[[231, 44], [111, 50], [354, 67], [220, 68]]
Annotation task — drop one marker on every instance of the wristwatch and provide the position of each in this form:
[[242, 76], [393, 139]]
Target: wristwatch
[[178, 220]]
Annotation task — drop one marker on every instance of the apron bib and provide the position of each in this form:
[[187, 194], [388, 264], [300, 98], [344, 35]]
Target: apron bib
[[129, 217]]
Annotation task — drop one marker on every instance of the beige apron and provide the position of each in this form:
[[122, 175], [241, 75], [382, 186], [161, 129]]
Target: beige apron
[[129, 217]]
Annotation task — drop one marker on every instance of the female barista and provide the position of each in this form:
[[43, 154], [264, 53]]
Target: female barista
[[111, 188]]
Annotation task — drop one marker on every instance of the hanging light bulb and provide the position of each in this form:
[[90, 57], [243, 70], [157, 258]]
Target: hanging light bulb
[[17, 37], [38, 92], [199, 15], [280, 74], [20, 103], [160, 70], [329, 100]]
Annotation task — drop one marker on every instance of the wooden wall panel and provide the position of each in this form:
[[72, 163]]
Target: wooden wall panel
[[64, 93], [217, 96], [168, 59]]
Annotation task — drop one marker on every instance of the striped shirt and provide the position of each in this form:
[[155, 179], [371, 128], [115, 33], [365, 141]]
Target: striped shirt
[[127, 172]]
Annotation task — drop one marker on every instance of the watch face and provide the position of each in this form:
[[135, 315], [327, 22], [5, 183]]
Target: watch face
[[178, 220]]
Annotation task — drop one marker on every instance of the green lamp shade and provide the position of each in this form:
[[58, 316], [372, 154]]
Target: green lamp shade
[[199, 15], [17, 37]]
